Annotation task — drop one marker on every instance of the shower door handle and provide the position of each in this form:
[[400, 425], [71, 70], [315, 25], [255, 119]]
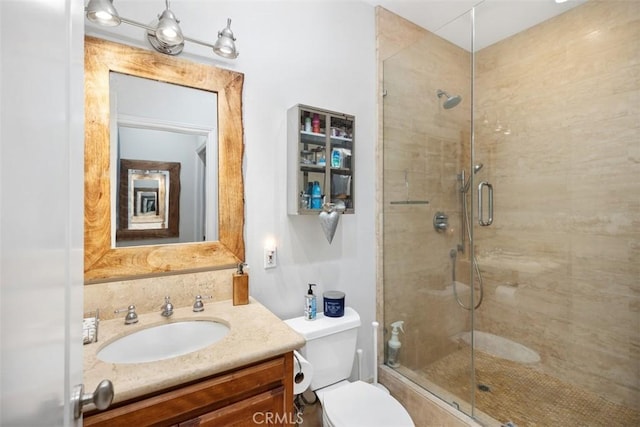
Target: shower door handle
[[481, 220]]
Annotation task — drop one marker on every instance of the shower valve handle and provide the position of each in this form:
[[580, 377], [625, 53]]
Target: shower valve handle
[[440, 221]]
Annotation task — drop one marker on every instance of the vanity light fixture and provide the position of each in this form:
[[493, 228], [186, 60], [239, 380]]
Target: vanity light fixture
[[225, 45], [103, 13], [168, 31], [165, 34]]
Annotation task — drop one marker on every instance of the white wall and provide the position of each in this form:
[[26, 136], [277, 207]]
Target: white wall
[[319, 53]]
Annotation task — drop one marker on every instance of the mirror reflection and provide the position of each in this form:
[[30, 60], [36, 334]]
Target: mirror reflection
[[147, 212], [148, 201], [147, 204], [153, 126]]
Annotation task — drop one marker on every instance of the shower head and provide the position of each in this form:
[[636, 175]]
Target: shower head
[[451, 101]]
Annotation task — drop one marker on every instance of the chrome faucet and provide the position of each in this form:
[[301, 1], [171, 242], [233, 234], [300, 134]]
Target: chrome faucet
[[167, 307], [131, 316], [198, 305]]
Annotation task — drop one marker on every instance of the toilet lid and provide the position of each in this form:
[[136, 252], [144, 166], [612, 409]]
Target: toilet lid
[[361, 404]]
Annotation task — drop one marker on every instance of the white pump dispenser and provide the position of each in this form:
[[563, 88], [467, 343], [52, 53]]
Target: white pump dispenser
[[394, 344]]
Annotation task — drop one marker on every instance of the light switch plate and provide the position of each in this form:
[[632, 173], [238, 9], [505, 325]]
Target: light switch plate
[[270, 258]]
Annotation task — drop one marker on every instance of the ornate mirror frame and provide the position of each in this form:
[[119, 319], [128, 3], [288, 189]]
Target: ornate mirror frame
[[104, 262]]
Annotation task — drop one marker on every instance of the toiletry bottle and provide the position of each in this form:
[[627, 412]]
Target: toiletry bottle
[[307, 124], [336, 158], [394, 344], [316, 196], [240, 286], [304, 200], [315, 123], [310, 307]]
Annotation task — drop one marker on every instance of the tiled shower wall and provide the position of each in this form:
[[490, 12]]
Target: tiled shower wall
[[561, 263]]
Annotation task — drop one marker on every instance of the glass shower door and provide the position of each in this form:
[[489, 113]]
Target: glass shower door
[[427, 144]]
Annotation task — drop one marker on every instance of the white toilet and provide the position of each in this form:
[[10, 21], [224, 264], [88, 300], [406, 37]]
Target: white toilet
[[330, 349]]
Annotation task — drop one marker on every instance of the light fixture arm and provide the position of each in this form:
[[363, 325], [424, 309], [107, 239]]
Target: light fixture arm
[[200, 42], [152, 29]]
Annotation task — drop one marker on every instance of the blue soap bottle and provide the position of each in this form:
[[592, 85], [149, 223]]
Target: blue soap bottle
[[316, 196], [336, 158]]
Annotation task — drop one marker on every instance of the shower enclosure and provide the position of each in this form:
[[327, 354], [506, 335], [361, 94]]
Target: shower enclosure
[[527, 311]]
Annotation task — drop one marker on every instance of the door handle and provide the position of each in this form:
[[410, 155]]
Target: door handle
[[101, 397], [481, 220]]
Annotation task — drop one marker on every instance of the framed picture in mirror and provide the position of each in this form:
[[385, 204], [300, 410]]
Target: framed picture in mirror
[[148, 200]]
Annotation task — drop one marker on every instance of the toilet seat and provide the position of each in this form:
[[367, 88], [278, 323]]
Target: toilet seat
[[361, 404]]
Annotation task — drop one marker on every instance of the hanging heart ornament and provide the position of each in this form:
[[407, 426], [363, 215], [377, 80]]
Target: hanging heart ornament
[[329, 218]]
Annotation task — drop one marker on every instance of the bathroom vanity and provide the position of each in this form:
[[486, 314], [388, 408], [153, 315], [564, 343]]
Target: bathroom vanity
[[240, 379], [242, 396]]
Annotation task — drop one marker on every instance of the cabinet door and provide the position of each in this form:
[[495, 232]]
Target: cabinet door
[[312, 171], [262, 386], [340, 151], [263, 409]]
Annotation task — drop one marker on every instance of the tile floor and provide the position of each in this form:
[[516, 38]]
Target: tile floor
[[524, 395], [312, 414]]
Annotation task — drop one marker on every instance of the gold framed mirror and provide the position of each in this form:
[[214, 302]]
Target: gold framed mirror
[[102, 260]]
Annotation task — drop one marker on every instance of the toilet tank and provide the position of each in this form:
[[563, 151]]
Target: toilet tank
[[330, 347]]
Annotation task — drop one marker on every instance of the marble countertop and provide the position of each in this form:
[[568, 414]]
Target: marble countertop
[[255, 334]]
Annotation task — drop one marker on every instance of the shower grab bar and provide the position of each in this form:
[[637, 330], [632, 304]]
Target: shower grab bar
[[481, 220]]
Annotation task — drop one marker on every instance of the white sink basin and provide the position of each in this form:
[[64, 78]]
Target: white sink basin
[[163, 341]]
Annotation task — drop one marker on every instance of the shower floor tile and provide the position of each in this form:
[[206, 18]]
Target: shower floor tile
[[523, 395]]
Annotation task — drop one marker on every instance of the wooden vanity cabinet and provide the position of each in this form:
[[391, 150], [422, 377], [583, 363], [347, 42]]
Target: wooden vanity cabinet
[[258, 394]]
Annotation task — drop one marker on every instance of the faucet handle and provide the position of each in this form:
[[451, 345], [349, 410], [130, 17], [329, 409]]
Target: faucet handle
[[198, 306], [167, 307], [131, 317]]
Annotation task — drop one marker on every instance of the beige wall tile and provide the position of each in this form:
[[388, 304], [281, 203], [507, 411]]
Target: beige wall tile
[[425, 410], [566, 217]]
